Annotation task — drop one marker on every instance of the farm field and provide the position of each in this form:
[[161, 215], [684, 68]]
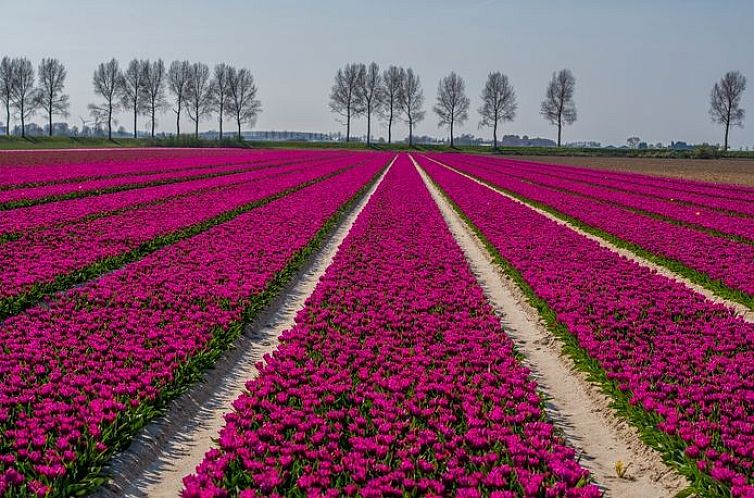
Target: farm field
[[732, 171], [371, 323]]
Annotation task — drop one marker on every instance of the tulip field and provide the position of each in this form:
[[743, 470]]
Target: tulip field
[[128, 274]]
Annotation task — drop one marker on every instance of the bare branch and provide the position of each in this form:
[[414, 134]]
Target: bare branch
[[725, 102], [392, 80], [411, 98], [370, 94], [6, 89], [344, 94], [23, 92], [558, 107], [132, 92], [154, 89], [241, 99], [452, 103], [498, 103], [219, 91], [178, 76], [198, 93], [107, 81]]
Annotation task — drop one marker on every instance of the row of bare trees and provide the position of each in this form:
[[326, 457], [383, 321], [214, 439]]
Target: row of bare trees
[[21, 94], [725, 102], [142, 88], [396, 93]]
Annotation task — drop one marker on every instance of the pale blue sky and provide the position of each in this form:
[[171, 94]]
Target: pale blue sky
[[642, 67]]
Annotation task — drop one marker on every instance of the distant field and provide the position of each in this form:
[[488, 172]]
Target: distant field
[[738, 171]]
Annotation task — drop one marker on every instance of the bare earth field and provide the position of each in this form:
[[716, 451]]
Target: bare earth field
[[739, 171]]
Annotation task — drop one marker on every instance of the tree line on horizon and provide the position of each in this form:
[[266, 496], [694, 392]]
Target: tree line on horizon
[[143, 88], [361, 90], [147, 88]]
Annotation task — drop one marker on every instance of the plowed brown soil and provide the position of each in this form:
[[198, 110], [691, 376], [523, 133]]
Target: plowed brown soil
[[737, 171]]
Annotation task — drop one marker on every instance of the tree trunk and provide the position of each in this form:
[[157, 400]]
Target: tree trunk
[[23, 121], [153, 111], [7, 120], [451, 133], [410, 134], [389, 127], [239, 128], [494, 136], [369, 128], [196, 127], [110, 122], [560, 127], [178, 122], [725, 147], [50, 120], [135, 114], [221, 123], [348, 128]]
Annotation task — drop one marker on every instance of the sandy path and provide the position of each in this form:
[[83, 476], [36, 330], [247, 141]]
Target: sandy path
[[740, 309], [577, 408], [172, 446]]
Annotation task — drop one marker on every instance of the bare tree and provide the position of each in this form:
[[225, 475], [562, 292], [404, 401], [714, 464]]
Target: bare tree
[[411, 98], [633, 142], [498, 103], [344, 94], [219, 91], [106, 81], [392, 83], [6, 88], [371, 95], [132, 93], [558, 107], [452, 103], [154, 89], [23, 94], [178, 77], [198, 94], [50, 97], [241, 100], [725, 102]]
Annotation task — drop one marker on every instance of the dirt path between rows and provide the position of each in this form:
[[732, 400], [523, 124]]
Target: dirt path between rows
[[171, 447], [576, 407], [740, 309]]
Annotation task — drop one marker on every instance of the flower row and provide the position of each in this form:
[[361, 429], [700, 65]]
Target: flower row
[[397, 380], [686, 362], [722, 259], [714, 219], [675, 189], [29, 168], [84, 372], [39, 257], [40, 194], [43, 215]]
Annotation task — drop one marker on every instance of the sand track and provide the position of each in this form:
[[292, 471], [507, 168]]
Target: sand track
[[577, 408], [172, 446]]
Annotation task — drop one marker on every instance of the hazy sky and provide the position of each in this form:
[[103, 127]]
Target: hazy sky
[[643, 67]]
